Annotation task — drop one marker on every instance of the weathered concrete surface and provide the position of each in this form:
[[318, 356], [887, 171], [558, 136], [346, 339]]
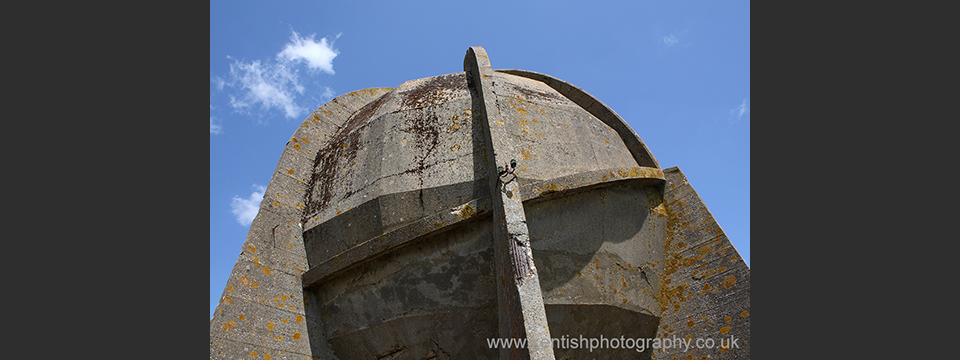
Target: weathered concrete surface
[[705, 284], [381, 234], [403, 157]]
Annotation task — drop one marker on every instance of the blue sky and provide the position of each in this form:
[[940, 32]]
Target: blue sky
[[677, 71]]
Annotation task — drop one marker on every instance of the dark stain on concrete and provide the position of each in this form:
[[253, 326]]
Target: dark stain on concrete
[[332, 159]]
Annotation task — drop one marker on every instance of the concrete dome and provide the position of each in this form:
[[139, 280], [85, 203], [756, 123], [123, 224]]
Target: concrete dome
[[417, 150]]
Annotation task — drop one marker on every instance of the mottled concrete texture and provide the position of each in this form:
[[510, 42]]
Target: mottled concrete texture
[[393, 229]]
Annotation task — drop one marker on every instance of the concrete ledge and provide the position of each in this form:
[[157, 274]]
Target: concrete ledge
[[531, 191], [597, 108], [391, 240]]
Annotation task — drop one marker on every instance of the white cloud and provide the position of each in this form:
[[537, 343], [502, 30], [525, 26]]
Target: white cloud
[[277, 84], [318, 55], [246, 209]]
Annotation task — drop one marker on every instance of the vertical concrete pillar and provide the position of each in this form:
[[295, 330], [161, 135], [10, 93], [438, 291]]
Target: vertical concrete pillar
[[520, 301]]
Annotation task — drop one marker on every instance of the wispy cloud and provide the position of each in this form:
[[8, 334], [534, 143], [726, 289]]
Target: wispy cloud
[[276, 83], [739, 111], [670, 40], [272, 85], [246, 209], [676, 38], [327, 94], [214, 128]]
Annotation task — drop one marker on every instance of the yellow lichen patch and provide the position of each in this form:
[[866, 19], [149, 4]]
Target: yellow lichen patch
[[525, 153], [727, 318], [690, 323], [230, 289], [227, 300], [266, 356], [283, 297], [728, 282], [296, 336], [464, 213], [284, 321], [455, 148], [704, 250], [550, 188], [744, 314], [265, 270], [243, 280], [252, 249], [275, 203], [253, 353], [290, 171], [270, 326], [227, 326], [297, 146], [241, 317], [724, 329], [305, 139]]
